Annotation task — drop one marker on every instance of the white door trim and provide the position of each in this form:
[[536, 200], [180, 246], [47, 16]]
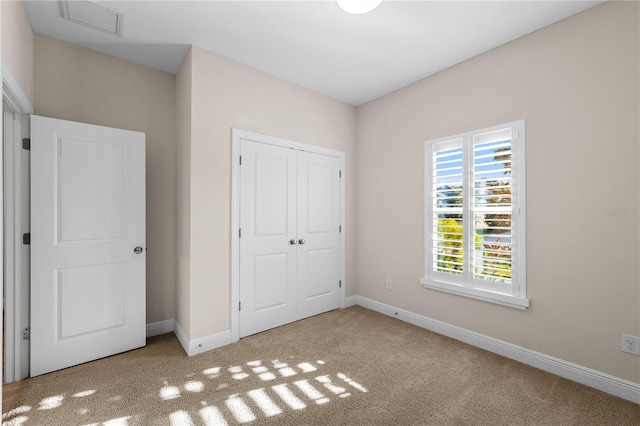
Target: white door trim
[[16, 356], [13, 93], [236, 136]]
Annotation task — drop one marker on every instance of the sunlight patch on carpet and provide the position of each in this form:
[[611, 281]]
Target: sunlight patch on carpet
[[260, 369], [238, 373], [194, 386], [287, 372], [278, 364], [169, 392], [266, 404], [240, 409], [326, 381], [18, 410], [352, 383], [180, 418], [212, 373], [306, 367], [256, 401], [267, 376], [311, 392], [51, 402], [83, 393], [20, 420], [288, 397], [211, 416], [121, 421]]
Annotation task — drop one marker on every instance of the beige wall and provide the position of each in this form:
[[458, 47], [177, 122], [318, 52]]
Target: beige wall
[[577, 85], [226, 94], [183, 189], [73, 83], [18, 45]]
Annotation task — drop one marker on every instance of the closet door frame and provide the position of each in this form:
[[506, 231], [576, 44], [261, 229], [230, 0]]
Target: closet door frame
[[237, 135]]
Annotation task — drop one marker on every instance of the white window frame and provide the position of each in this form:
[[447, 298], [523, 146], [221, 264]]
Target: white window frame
[[466, 285]]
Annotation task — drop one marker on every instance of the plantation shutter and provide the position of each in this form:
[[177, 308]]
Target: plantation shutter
[[447, 195], [492, 206]]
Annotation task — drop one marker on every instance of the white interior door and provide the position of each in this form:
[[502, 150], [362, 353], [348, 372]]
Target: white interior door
[[290, 245], [87, 243], [318, 214], [268, 224]]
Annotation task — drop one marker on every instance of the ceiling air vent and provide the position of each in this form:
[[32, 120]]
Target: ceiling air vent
[[94, 15]]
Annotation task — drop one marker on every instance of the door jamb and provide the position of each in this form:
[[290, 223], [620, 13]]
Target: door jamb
[[236, 136], [17, 283]]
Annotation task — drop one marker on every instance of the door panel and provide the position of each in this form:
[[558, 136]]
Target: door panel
[[270, 281], [319, 273], [90, 202], [88, 215], [318, 225], [271, 202], [90, 298], [321, 191], [267, 220]]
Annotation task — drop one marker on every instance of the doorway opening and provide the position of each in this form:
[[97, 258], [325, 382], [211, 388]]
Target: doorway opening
[[15, 214]]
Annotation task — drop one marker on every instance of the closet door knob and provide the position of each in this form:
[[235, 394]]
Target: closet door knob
[[292, 242], [301, 241]]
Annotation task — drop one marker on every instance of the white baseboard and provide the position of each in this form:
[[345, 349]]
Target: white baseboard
[[182, 337], [349, 301], [210, 342], [203, 344], [605, 382], [160, 327]]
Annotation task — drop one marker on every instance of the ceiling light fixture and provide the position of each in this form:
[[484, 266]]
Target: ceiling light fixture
[[358, 7]]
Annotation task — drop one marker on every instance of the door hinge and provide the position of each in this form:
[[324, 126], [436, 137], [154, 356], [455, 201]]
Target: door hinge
[[241, 160], [339, 228], [26, 238], [26, 143], [239, 232], [340, 284], [26, 334], [239, 306], [340, 174]]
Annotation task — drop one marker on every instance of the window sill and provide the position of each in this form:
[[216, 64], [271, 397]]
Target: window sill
[[474, 293]]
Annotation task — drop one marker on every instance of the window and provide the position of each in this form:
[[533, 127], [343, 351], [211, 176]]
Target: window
[[475, 219]]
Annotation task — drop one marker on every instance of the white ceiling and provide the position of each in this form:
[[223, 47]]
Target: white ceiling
[[352, 58]]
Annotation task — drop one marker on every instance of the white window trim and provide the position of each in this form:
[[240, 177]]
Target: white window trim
[[434, 281]]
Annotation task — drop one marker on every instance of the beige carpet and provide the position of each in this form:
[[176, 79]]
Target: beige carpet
[[351, 366]]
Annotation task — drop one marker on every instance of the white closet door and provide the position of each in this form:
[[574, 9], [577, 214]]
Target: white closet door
[[268, 224], [318, 204]]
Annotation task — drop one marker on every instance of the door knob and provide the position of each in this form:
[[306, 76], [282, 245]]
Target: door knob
[[292, 242], [137, 250], [301, 241]]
